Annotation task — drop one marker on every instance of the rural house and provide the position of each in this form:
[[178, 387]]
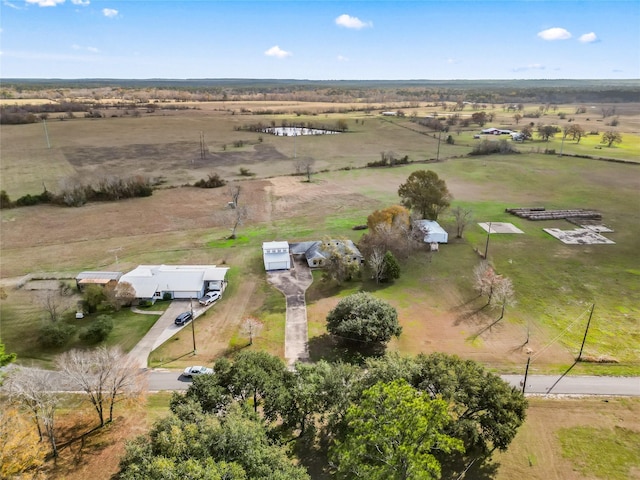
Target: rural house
[[317, 252], [155, 282], [433, 232], [276, 256]]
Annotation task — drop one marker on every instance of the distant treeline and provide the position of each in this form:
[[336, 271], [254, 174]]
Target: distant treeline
[[480, 91], [75, 194]]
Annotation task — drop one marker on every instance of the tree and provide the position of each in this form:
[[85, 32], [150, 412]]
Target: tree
[[576, 132], [527, 132], [391, 267], [120, 295], [21, 450], [106, 375], [51, 305], [251, 328], [611, 137], [395, 215], [425, 192], [192, 444], [99, 329], [339, 264], [365, 318], [479, 118], [93, 295], [305, 167], [392, 433], [5, 358], [546, 132], [487, 411], [383, 266], [34, 389], [462, 218], [517, 117]]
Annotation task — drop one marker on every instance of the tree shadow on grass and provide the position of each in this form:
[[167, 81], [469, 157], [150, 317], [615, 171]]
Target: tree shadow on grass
[[332, 349], [468, 466]]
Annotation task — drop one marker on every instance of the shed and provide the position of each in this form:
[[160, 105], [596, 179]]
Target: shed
[[96, 278], [276, 256], [433, 232]]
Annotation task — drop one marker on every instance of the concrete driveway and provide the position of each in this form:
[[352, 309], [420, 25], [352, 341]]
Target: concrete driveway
[[293, 283], [163, 329]]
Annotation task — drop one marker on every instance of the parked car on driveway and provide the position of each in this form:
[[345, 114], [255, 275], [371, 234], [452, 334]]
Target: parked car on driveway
[[209, 298], [184, 318], [196, 371]]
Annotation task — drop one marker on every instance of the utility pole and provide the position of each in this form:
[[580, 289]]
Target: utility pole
[[193, 328], [486, 247], [438, 151], [526, 373], [585, 332]]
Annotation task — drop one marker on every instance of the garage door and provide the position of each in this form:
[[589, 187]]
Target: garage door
[[278, 265]]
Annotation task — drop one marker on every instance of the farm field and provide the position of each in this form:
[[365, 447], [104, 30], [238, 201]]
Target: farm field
[[556, 285]]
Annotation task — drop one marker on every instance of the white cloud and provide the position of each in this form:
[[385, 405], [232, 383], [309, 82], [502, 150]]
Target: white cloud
[[531, 66], [110, 12], [81, 2], [555, 33], [45, 3], [342, 58], [347, 21], [588, 37], [277, 52], [88, 49], [11, 5]]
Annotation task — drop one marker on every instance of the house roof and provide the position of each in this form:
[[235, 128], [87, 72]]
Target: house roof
[[429, 225], [149, 279], [275, 245], [317, 248], [96, 275]]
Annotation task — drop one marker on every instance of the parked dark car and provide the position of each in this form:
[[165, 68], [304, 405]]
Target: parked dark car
[[184, 318]]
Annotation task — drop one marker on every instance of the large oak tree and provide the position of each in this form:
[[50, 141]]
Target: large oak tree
[[425, 193]]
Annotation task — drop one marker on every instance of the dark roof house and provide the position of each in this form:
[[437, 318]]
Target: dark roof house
[[317, 252]]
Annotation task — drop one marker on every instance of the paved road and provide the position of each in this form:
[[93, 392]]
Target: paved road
[[536, 384], [293, 283]]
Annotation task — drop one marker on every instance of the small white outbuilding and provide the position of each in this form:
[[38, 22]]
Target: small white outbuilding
[[433, 232], [276, 256]]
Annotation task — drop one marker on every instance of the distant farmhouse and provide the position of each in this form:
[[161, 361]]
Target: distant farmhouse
[[496, 131], [156, 282], [317, 252]]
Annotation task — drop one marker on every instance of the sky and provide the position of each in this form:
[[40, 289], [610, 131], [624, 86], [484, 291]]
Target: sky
[[320, 40]]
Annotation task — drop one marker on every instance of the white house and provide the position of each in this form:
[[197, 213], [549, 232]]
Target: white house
[[154, 282], [276, 256], [433, 232]]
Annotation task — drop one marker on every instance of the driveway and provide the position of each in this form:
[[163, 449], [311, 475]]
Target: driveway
[[293, 283], [163, 329]]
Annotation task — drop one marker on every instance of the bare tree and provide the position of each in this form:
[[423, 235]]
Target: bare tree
[[34, 389], [120, 295], [251, 328], [463, 218], [240, 215], [234, 193], [305, 167], [51, 306], [503, 293], [106, 375], [484, 280], [376, 263]]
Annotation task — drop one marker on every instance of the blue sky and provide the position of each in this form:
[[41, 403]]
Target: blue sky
[[320, 40]]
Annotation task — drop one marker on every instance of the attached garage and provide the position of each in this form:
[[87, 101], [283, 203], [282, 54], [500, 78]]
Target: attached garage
[[276, 256]]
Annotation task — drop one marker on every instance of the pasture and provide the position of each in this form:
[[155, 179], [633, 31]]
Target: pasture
[[555, 284]]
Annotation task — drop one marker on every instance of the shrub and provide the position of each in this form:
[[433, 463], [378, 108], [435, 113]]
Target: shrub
[[213, 180], [98, 331], [5, 201], [245, 172], [166, 296], [145, 303], [55, 335], [488, 147]]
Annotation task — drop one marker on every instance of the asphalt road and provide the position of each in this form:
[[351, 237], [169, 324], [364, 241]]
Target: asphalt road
[[160, 380]]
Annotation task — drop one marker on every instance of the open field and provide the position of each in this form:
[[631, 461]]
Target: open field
[[555, 284]]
